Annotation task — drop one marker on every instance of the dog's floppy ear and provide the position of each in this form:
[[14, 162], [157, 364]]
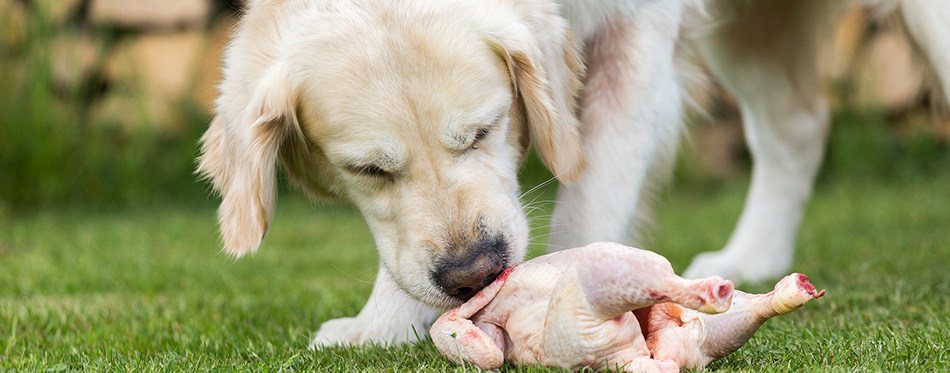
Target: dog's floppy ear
[[546, 70], [239, 153]]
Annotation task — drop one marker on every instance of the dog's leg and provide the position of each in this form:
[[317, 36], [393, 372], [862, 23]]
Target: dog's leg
[[630, 115], [929, 23], [389, 316], [766, 56]]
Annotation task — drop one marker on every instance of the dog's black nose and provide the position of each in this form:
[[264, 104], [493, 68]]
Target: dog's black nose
[[465, 276]]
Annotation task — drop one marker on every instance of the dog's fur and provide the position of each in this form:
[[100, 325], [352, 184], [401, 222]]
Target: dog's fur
[[420, 113]]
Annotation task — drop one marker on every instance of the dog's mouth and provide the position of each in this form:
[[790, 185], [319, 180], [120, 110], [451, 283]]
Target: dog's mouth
[[467, 292], [460, 274], [447, 299], [464, 293]]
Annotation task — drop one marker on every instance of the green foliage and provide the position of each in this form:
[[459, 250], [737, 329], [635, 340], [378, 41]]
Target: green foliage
[[52, 153], [50, 162], [864, 147]]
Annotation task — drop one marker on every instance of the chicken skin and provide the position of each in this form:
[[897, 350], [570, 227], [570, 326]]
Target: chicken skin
[[609, 306]]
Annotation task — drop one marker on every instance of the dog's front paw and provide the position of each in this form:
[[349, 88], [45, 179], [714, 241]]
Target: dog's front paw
[[390, 316], [377, 326], [344, 331]]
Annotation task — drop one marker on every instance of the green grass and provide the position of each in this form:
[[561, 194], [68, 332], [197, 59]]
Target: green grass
[[148, 290]]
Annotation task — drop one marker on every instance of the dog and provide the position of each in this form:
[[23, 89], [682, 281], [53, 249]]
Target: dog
[[421, 112]]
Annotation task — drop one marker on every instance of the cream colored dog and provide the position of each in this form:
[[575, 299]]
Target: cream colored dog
[[420, 113]]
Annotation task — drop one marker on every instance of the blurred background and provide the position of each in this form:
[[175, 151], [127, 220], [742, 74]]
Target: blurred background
[[102, 103]]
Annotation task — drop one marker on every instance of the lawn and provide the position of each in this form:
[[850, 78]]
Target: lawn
[[147, 289]]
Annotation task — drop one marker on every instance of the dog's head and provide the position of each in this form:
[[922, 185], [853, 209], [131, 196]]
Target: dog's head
[[420, 113]]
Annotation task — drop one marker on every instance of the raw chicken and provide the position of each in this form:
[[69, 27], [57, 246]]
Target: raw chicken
[[608, 306]]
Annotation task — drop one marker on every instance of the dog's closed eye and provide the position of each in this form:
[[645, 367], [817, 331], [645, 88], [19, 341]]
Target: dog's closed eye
[[479, 136], [370, 170]]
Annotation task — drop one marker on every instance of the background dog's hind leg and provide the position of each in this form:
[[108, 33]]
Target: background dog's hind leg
[[630, 113], [765, 54], [389, 316]]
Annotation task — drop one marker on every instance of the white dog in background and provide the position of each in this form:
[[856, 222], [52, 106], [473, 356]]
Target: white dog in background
[[421, 112]]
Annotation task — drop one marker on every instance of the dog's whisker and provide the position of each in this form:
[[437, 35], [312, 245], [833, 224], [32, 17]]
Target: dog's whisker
[[539, 206], [535, 206], [541, 202], [543, 226], [390, 321], [543, 205], [360, 280], [533, 209], [541, 213], [536, 187], [537, 217], [544, 236], [559, 247], [552, 225], [539, 186], [535, 201]]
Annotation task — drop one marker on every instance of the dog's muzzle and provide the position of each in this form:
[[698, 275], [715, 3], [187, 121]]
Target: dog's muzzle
[[462, 275]]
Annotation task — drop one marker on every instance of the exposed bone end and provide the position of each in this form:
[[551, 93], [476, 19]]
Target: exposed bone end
[[792, 292], [719, 297]]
